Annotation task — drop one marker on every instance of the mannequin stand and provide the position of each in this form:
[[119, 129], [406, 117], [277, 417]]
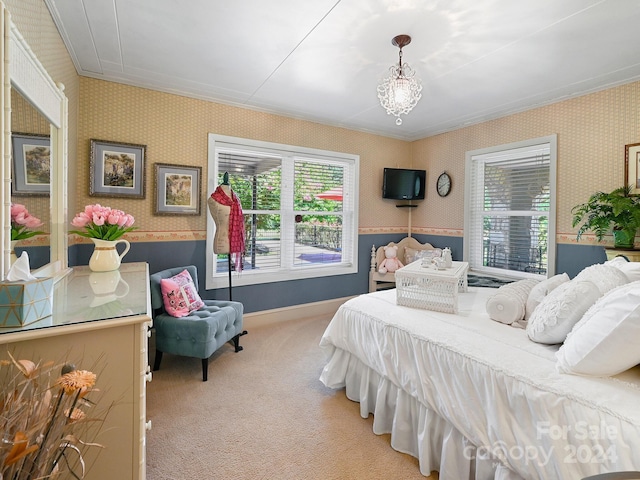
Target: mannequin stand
[[244, 332], [230, 287]]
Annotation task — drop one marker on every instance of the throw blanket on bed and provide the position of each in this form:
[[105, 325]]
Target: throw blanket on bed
[[488, 381]]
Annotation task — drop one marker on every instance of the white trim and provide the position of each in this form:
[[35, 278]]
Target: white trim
[[349, 214], [324, 309], [552, 140], [29, 77]]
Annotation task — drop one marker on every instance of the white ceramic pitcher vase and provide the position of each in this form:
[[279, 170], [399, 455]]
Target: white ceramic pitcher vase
[[105, 257]]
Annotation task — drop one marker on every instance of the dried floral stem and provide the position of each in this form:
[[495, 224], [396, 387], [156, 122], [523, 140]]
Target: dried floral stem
[[73, 406], [47, 432], [40, 419]]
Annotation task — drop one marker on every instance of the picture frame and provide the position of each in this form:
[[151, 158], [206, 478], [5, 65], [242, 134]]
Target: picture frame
[[31, 155], [177, 189], [117, 169], [632, 167]]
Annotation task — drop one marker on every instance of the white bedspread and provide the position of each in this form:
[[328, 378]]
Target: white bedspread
[[478, 383]]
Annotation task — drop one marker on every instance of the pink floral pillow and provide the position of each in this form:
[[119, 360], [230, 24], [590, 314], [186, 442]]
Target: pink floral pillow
[[179, 295]]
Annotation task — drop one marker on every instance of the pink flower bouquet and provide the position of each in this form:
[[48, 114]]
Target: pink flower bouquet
[[22, 221], [105, 223]]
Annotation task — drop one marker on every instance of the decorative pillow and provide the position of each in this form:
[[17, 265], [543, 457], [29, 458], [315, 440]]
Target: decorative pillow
[[411, 254], [606, 277], [507, 305], [630, 269], [541, 290], [605, 341], [559, 311], [616, 260], [180, 295]]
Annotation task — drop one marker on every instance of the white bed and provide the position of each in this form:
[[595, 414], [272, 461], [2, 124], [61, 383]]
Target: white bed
[[476, 399]]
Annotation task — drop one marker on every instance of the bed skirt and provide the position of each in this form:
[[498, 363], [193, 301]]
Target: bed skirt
[[415, 429]]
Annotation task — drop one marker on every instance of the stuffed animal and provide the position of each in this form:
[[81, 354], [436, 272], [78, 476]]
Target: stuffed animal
[[391, 262]]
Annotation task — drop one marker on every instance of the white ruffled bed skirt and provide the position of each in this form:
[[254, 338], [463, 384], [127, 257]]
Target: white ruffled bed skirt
[[415, 428]]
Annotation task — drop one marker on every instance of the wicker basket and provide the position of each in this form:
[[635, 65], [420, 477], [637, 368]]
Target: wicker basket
[[424, 287]]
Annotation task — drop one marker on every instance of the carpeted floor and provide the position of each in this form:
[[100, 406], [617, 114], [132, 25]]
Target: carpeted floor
[[263, 414]]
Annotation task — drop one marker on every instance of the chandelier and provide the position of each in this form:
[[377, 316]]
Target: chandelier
[[400, 91]]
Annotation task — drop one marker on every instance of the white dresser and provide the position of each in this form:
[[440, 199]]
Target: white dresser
[[101, 323]]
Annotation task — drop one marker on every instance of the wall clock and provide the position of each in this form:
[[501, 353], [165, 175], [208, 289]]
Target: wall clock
[[443, 185]]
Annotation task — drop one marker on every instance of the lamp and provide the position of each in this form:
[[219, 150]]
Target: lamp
[[400, 91]]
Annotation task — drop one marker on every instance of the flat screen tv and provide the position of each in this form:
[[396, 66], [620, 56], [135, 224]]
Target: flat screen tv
[[403, 184]]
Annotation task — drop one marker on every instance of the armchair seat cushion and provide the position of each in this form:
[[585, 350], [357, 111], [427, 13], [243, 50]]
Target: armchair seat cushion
[[200, 333]]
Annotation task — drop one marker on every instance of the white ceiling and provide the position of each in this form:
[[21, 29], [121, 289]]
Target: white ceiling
[[321, 60]]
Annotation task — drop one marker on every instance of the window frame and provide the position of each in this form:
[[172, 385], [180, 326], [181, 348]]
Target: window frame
[[349, 215], [469, 202]]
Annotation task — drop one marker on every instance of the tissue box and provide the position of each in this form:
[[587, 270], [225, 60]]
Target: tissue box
[[22, 303]]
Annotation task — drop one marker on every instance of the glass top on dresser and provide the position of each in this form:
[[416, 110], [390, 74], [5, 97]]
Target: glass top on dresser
[[86, 296]]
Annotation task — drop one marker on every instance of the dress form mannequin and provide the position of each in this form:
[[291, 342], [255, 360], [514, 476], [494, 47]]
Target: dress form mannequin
[[220, 214], [226, 212]]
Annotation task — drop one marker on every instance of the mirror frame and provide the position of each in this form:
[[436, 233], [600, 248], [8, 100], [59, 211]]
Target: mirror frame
[[21, 69]]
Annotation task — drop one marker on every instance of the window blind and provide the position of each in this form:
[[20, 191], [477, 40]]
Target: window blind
[[509, 207], [299, 211], [256, 178], [317, 212]]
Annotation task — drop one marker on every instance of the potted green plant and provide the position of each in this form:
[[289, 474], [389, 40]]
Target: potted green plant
[[617, 212]]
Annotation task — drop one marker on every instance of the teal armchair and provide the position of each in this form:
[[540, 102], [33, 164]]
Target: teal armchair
[[200, 333]]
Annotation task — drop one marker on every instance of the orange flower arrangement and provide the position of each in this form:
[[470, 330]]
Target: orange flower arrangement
[[42, 421]]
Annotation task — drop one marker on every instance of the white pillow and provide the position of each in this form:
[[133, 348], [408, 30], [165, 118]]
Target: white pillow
[[606, 277], [541, 290], [507, 305], [605, 341], [411, 254], [615, 260], [630, 269], [559, 311]]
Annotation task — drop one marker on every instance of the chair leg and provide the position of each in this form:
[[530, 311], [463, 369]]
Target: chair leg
[[236, 341], [205, 369], [156, 363]]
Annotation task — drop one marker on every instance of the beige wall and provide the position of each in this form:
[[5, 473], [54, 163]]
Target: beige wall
[[175, 130], [592, 133], [35, 24]]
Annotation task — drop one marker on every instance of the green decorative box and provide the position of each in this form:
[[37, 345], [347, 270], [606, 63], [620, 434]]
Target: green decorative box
[[22, 303]]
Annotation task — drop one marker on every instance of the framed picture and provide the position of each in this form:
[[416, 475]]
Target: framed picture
[[177, 189], [31, 164], [632, 167], [116, 169]]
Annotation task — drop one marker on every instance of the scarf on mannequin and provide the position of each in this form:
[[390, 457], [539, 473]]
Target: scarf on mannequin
[[236, 224]]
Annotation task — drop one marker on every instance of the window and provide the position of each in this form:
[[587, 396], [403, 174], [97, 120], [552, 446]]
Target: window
[[510, 209], [299, 207]]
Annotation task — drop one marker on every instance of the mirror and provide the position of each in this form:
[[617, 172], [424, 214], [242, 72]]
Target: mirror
[[23, 73], [31, 162]]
